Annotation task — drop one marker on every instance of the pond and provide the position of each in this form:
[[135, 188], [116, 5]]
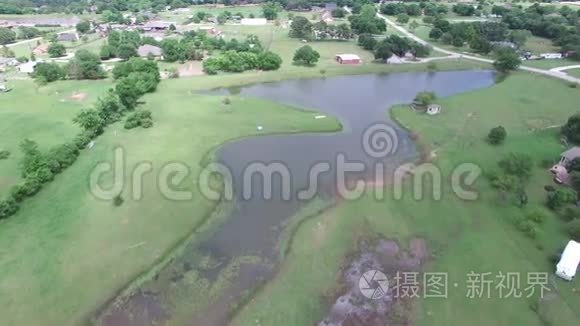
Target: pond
[[255, 224]]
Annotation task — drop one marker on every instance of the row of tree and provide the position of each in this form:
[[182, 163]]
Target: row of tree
[[393, 44], [232, 61], [8, 35], [84, 65], [134, 78], [303, 29]]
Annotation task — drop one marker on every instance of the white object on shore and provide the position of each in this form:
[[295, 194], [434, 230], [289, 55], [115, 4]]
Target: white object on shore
[[259, 128], [91, 144], [319, 117], [568, 264]]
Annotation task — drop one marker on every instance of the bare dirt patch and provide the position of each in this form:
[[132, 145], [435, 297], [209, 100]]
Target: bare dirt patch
[[348, 304], [78, 96], [189, 69]]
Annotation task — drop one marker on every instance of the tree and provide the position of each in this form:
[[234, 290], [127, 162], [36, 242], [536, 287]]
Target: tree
[[572, 129], [269, 61], [480, 45], [172, 50], [425, 98], [339, 13], [413, 25], [506, 59], [560, 197], [306, 55], [90, 120], [382, 51], [56, 50], [435, 33], [83, 27], [126, 51], [26, 33], [7, 35], [367, 42], [517, 164], [519, 36], [574, 229], [402, 18], [85, 65], [49, 72], [301, 28], [270, 10], [497, 135]]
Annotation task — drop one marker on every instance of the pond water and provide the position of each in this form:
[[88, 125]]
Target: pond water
[[254, 226]]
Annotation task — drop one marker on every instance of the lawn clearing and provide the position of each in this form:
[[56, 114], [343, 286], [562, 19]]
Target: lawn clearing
[[42, 114], [463, 236], [573, 72]]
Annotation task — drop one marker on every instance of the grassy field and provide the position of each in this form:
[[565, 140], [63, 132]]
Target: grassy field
[[42, 114], [549, 63], [65, 237], [463, 236], [573, 72]]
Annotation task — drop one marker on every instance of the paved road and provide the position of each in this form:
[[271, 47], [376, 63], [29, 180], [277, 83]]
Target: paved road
[[565, 68], [551, 73]]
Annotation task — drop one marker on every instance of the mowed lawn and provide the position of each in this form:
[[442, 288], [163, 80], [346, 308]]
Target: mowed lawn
[[66, 252], [42, 114], [463, 236]]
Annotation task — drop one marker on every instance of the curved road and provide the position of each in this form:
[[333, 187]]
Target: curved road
[[551, 73]]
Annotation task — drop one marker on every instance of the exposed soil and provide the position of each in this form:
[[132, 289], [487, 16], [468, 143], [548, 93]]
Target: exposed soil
[[78, 96], [191, 69], [350, 307]]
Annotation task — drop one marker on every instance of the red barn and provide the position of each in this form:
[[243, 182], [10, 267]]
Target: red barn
[[348, 59]]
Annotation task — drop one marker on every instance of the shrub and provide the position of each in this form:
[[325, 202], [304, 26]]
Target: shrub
[[536, 216], [4, 154], [572, 129], [527, 227], [140, 118], [507, 183], [8, 207], [561, 197], [496, 135], [227, 101], [570, 213], [574, 229], [517, 164], [118, 200], [84, 138]]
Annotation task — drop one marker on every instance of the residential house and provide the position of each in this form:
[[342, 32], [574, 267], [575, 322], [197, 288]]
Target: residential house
[[327, 17], [156, 25], [551, 55], [395, 59], [7, 62], [41, 49], [147, 50], [560, 170], [67, 37]]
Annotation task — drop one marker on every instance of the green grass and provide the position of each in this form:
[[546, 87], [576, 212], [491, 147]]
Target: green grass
[[464, 236], [66, 246], [573, 72], [539, 45], [549, 63], [41, 114]]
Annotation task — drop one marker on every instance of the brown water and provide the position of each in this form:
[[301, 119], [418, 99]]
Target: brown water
[[254, 226]]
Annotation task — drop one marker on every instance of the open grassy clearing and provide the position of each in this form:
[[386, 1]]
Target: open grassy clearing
[[463, 236], [42, 114], [65, 237], [549, 63], [573, 72]]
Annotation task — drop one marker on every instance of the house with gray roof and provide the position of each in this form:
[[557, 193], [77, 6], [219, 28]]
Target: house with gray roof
[[146, 50]]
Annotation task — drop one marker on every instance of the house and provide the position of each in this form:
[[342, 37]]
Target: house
[[27, 67], [551, 55], [253, 21], [41, 49], [7, 62], [330, 6], [560, 170], [67, 37], [395, 59], [326, 17], [568, 264], [348, 59], [146, 50], [157, 25]]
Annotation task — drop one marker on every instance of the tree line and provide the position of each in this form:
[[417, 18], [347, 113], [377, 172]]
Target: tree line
[[134, 78]]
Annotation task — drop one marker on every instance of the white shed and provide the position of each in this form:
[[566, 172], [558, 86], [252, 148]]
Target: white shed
[[254, 21], [568, 264], [27, 67]]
